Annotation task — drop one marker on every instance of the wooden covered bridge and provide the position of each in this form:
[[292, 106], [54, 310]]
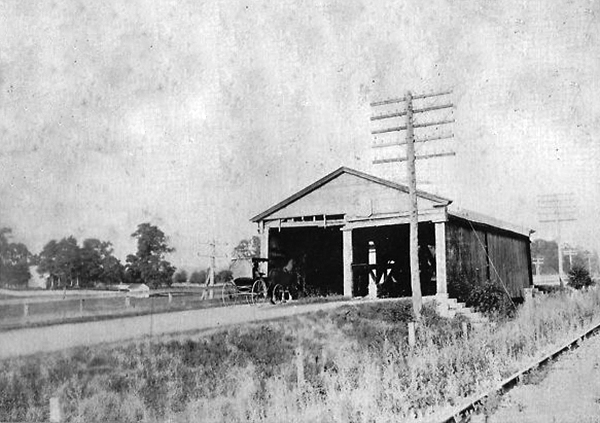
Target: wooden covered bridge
[[329, 227]]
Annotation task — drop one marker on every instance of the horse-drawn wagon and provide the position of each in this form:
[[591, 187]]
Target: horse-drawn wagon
[[250, 284]]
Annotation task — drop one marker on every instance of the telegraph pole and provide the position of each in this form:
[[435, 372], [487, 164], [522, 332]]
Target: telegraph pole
[[538, 261], [411, 173], [557, 208], [589, 260], [570, 252], [210, 277]]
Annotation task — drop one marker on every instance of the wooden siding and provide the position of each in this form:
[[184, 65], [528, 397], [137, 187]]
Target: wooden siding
[[466, 261], [510, 259], [350, 195], [468, 247]]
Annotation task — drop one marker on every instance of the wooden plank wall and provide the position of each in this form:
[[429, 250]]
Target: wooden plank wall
[[467, 261], [510, 258]]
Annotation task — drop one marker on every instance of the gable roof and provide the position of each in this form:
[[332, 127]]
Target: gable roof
[[345, 170]]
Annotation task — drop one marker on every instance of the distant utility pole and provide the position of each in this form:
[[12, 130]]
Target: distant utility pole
[[589, 260], [557, 208], [537, 262], [210, 277], [410, 159], [210, 281], [570, 252]]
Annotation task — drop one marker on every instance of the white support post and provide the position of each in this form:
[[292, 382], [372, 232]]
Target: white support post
[[440, 268], [347, 261], [264, 245], [440, 259], [372, 261]]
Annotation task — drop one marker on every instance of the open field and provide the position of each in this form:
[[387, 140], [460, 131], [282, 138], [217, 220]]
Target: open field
[[31, 311], [43, 293], [35, 310], [351, 363]]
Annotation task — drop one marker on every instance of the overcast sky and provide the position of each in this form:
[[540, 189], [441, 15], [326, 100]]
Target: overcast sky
[[197, 115]]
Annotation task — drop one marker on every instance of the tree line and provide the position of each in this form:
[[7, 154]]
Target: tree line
[[66, 263], [14, 260], [548, 250], [93, 263]]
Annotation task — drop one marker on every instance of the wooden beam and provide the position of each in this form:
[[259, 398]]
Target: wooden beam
[[403, 159], [433, 138], [403, 113], [403, 99], [417, 125]]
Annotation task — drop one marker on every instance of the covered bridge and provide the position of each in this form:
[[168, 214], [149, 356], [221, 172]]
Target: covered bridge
[[329, 227]]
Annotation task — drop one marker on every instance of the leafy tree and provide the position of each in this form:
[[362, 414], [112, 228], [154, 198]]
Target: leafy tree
[[61, 261], [579, 277], [98, 264], [148, 265], [198, 277], [549, 251], [223, 275], [247, 248], [67, 264], [15, 259], [582, 258], [181, 276]]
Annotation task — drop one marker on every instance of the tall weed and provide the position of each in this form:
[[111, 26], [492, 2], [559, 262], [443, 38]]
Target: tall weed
[[351, 364]]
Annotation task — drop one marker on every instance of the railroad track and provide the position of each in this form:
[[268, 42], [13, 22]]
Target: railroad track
[[462, 413]]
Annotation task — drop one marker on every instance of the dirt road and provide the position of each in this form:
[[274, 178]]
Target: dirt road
[[568, 392], [53, 338]]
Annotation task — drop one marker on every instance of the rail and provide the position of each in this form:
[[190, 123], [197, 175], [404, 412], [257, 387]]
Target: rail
[[462, 413]]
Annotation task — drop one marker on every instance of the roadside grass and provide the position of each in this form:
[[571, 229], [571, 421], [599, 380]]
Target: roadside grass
[[349, 364]]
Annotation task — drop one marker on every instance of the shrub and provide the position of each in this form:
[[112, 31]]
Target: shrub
[[579, 277], [461, 286], [491, 299]]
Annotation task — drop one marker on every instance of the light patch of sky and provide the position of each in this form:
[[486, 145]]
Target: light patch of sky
[[197, 115]]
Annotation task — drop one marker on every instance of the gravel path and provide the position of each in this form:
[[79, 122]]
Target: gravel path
[[569, 392], [53, 338]]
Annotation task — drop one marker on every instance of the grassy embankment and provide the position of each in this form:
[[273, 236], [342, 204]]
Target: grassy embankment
[[354, 365]]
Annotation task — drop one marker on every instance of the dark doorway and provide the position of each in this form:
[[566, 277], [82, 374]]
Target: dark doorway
[[317, 254], [392, 248]]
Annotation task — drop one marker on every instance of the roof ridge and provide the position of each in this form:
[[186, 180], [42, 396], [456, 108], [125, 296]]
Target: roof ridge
[[333, 175]]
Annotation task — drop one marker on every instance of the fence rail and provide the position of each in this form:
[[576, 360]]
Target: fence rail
[[26, 311]]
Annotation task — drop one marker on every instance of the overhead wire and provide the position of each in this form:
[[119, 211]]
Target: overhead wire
[[492, 265]]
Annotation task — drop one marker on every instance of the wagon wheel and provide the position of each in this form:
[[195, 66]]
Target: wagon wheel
[[278, 294], [259, 292], [229, 293]]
